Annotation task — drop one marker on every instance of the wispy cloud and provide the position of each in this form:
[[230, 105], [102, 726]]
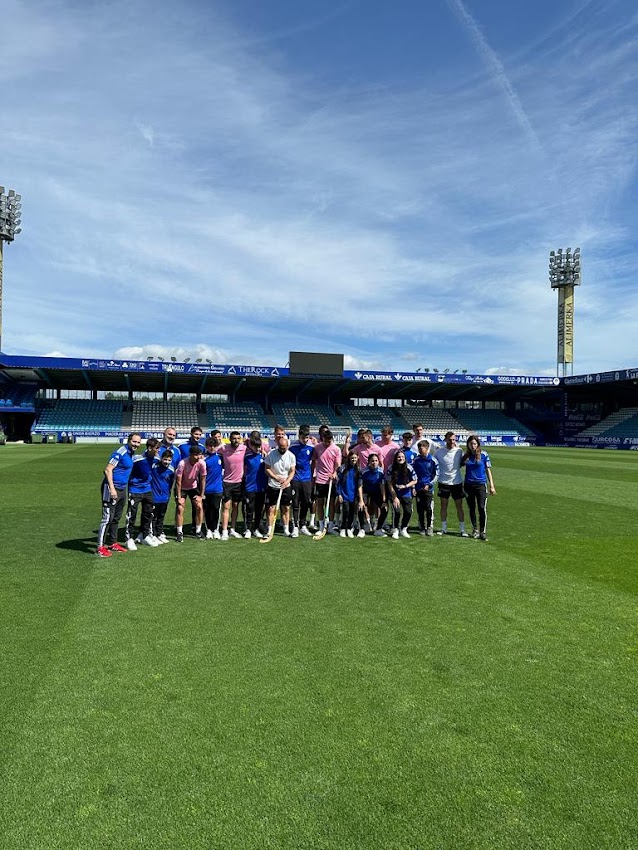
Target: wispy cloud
[[216, 198], [495, 67]]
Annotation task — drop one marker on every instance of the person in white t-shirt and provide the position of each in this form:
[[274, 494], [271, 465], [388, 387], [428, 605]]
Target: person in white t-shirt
[[450, 481], [280, 466]]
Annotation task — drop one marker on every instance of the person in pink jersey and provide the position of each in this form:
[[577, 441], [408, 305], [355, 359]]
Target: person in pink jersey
[[386, 447], [364, 449], [326, 460], [190, 481], [232, 455]]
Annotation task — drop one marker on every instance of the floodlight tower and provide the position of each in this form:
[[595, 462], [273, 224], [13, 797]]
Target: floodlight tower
[[10, 206], [564, 275]]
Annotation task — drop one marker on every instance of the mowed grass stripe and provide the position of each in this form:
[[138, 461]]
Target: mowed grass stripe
[[382, 680], [439, 693]]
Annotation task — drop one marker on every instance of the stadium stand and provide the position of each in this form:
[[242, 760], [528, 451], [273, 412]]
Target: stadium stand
[[435, 420], [244, 416], [81, 415], [158, 415], [19, 396], [372, 417], [294, 415], [622, 423], [484, 422]]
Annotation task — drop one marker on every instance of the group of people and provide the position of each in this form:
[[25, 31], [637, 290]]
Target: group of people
[[317, 486]]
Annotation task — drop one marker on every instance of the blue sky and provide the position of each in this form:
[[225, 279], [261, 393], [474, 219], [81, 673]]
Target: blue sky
[[198, 178]]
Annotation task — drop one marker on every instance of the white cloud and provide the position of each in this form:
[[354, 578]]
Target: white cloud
[[213, 198]]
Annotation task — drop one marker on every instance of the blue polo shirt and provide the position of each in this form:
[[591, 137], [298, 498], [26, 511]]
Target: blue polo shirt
[[255, 478], [122, 462], [475, 470], [140, 480], [303, 454], [214, 472], [185, 448], [372, 479], [427, 471], [161, 482]]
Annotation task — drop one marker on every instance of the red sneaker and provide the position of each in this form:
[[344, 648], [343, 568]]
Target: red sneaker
[[117, 548], [103, 552]]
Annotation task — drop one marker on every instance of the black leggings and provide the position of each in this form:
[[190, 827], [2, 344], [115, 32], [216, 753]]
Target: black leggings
[[424, 508], [134, 501], [253, 510], [477, 496], [406, 505], [159, 513], [348, 512], [212, 504]]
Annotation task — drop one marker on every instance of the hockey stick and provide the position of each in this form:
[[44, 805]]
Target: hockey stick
[[319, 535], [271, 528]]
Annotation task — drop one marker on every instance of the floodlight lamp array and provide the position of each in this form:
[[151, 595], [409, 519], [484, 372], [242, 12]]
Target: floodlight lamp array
[[10, 211], [564, 268]]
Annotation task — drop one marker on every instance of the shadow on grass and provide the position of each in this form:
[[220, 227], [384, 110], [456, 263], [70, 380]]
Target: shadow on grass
[[81, 544]]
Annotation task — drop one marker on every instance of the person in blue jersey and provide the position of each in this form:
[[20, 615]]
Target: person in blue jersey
[[255, 483], [195, 439], [407, 438], [214, 489], [114, 483], [349, 495], [167, 444], [302, 482], [426, 468], [374, 494], [478, 482], [401, 480], [140, 494], [162, 477]]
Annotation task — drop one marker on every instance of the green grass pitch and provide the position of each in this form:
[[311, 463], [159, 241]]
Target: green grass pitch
[[374, 694]]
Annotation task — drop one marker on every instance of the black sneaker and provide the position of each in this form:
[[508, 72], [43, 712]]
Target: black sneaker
[[483, 536], [199, 535], [179, 537]]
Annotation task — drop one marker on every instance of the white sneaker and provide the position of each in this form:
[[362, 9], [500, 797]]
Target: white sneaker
[[209, 535], [286, 531], [464, 534], [304, 530], [295, 532], [258, 534], [234, 533], [429, 531], [404, 532], [361, 533], [247, 534], [163, 538], [379, 533], [216, 535], [342, 533], [442, 532], [150, 541], [224, 535], [130, 545], [395, 533], [350, 532]]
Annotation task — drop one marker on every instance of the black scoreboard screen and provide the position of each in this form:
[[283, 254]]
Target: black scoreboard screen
[[307, 363]]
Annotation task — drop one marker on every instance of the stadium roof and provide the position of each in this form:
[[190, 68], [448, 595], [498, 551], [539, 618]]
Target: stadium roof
[[245, 382]]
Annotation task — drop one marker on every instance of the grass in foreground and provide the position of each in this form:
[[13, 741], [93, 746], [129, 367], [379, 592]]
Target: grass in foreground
[[422, 693]]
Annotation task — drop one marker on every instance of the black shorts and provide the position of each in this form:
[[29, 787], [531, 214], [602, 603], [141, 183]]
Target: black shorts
[[272, 494], [374, 499], [190, 493], [233, 493], [322, 490], [453, 490]]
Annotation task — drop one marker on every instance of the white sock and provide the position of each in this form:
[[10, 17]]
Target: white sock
[[179, 529], [198, 528], [462, 526], [444, 525]]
